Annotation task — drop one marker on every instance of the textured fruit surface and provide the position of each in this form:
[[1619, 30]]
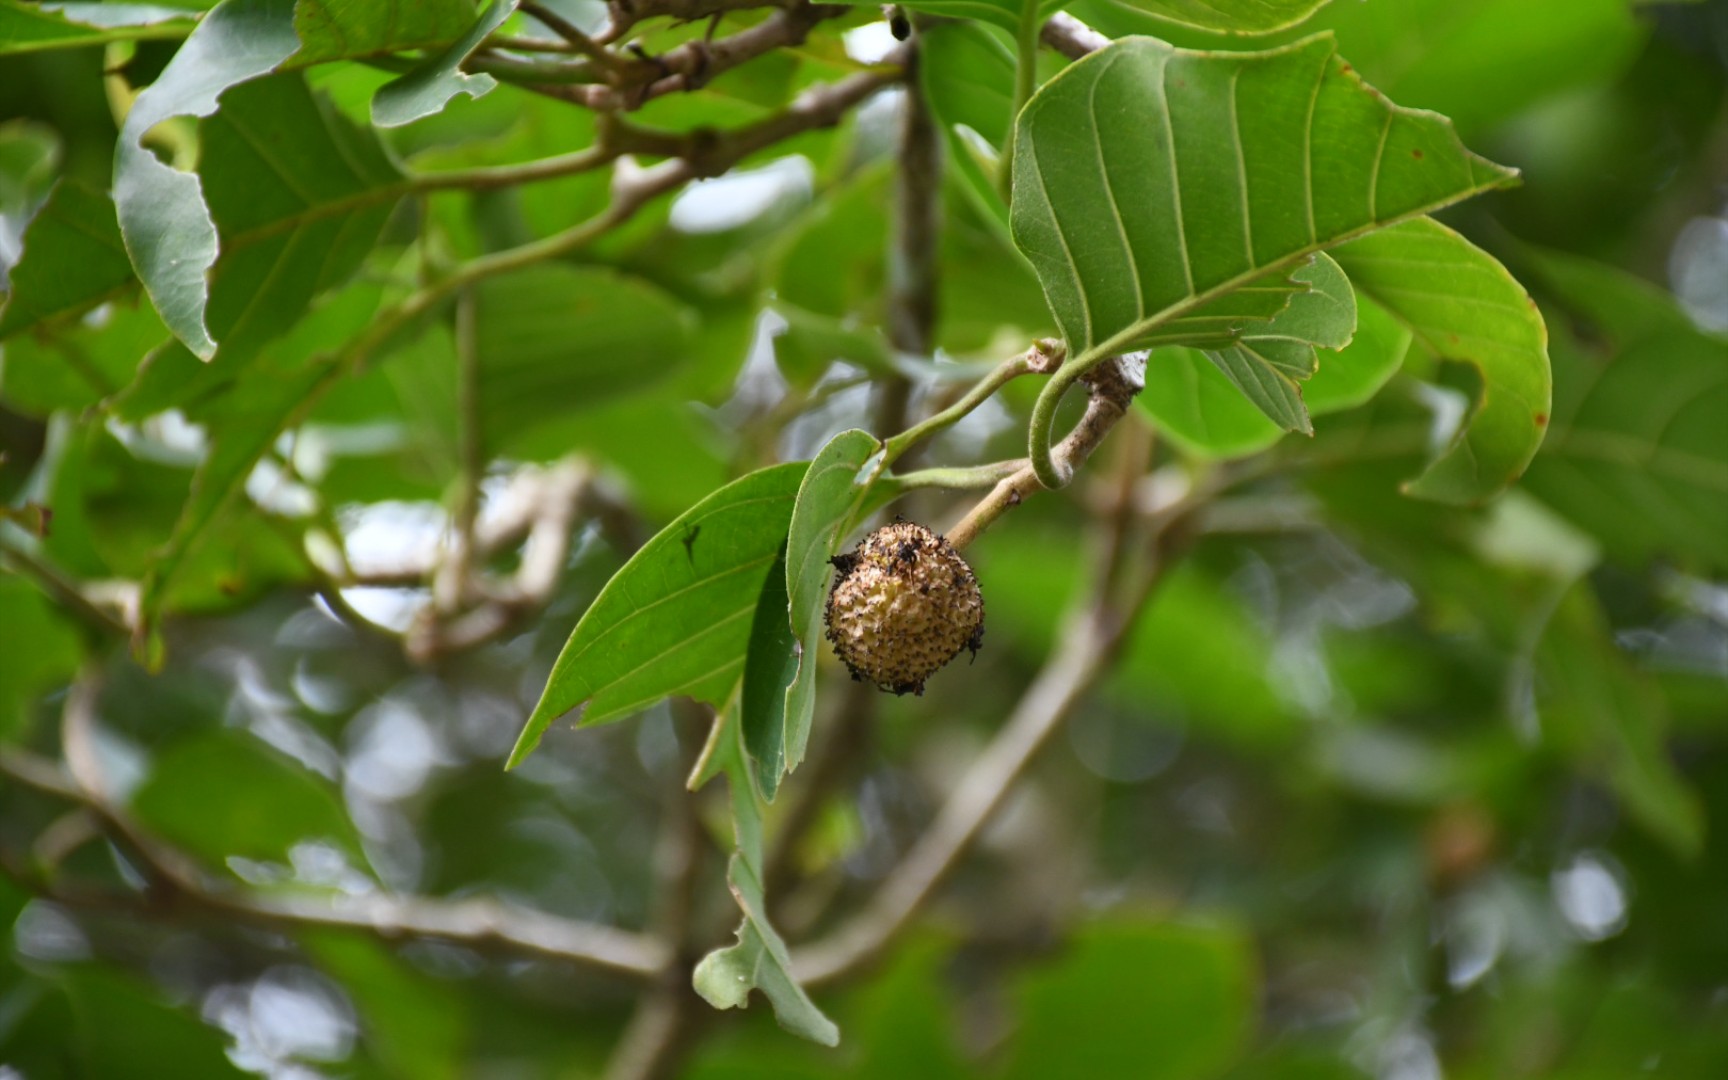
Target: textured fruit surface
[[903, 604]]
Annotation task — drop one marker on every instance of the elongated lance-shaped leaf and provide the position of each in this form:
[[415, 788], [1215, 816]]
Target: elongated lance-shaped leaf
[[1463, 305], [676, 619], [769, 668], [1150, 180]]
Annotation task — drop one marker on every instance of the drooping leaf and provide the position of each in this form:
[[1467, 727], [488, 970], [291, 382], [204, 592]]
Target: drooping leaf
[[1636, 451], [1268, 363], [334, 30], [30, 27], [676, 619], [226, 794], [1151, 181], [1463, 305], [73, 260], [769, 667], [839, 479], [425, 90], [760, 960]]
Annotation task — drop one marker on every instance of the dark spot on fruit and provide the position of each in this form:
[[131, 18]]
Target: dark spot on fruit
[[1417, 154], [1541, 419]]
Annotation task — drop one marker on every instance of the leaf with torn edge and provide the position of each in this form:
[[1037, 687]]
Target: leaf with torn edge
[[433, 82]]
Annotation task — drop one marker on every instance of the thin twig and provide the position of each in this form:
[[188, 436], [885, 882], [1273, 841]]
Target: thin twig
[[1111, 397], [1071, 37]]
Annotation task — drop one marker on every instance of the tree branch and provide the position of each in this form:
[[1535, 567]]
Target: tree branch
[[178, 889]]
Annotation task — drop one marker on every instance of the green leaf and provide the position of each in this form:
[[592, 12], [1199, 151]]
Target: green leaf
[[1613, 719], [227, 794], [759, 961], [42, 652], [829, 500], [1157, 1002], [414, 1022], [29, 27], [432, 83], [1636, 452], [676, 618], [1201, 411], [243, 419], [1216, 16], [1268, 362], [769, 667], [337, 29], [552, 340], [78, 365], [120, 1022], [298, 195], [1135, 211], [1463, 305], [73, 260]]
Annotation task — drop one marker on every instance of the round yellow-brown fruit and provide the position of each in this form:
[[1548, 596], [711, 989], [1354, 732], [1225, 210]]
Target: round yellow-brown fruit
[[903, 604]]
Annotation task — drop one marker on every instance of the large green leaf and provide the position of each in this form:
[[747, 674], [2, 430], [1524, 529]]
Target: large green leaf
[[29, 27], [433, 82], [1463, 305], [1151, 181], [1636, 450], [73, 260], [676, 619], [760, 960], [554, 339]]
